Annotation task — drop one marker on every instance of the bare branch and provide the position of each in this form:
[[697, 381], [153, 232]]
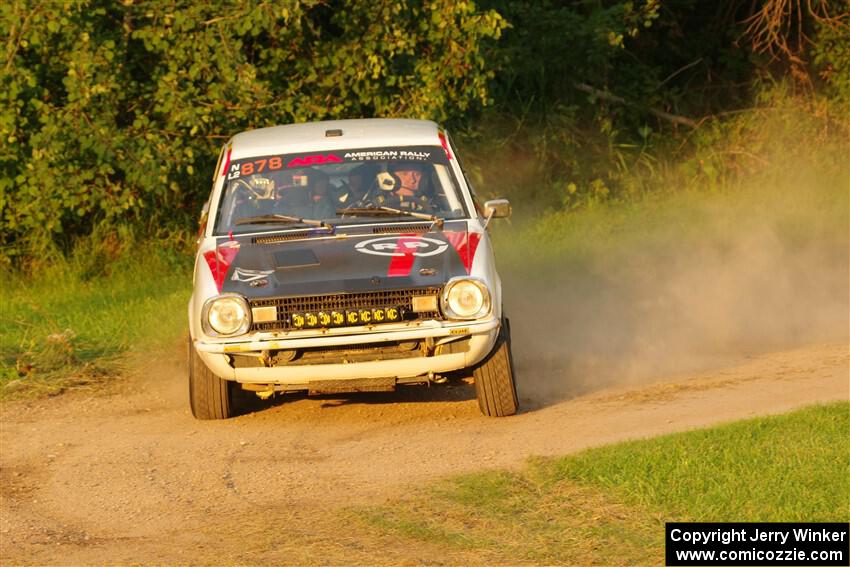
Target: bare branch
[[677, 71], [605, 95]]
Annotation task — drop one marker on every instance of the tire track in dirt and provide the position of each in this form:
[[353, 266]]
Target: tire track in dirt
[[126, 475]]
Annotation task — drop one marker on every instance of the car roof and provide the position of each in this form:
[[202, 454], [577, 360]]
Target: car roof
[[311, 136]]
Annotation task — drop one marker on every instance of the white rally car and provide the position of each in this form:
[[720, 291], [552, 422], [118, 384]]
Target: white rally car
[[345, 256]]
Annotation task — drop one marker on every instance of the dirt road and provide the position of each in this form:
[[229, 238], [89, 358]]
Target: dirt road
[[128, 476]]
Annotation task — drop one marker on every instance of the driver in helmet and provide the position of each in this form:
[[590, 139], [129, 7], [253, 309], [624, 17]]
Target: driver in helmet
[[407, 189]]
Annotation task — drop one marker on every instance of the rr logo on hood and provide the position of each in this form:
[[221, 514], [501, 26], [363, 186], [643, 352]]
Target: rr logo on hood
[[243, 275], [402, 246]]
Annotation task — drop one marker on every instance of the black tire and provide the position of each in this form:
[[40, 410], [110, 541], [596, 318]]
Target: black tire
[[210, 397], [495, 387]]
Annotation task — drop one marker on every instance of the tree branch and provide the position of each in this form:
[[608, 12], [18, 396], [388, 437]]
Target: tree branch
[[605, 95]]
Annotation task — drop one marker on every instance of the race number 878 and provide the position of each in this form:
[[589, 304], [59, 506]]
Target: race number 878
[[256, 166]]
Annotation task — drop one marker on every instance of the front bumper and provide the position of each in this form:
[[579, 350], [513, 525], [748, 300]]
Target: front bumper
[[481, 337]]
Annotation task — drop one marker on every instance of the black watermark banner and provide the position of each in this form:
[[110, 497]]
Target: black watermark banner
[[750, 543]]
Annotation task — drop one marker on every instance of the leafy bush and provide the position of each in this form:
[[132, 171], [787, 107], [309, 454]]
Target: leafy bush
[[560, 167], [116, 110], [832, 61]]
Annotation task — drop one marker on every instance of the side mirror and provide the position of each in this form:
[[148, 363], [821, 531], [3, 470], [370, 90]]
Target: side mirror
[[497, 209]]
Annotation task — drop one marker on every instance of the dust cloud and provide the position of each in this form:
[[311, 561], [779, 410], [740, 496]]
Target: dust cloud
[[712, 283]]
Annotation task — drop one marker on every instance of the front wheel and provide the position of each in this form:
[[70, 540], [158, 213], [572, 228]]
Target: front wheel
[[495, 387], [210, 397]]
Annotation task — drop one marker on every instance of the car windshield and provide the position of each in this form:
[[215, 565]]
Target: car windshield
[[338, 187]]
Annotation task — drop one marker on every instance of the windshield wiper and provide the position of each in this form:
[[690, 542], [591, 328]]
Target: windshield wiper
[[388, 211], [285, 219]]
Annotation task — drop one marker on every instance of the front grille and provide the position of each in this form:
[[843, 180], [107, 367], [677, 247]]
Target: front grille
[[398, 298]]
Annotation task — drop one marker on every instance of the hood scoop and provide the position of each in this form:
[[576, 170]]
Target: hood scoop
[[301, 258]]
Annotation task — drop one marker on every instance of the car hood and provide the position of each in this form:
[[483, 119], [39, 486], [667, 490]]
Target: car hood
[[361, 260]]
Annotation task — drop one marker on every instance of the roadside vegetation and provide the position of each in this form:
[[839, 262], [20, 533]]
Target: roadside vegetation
[[598, 120], [74, 317], [78, 321], [115, 113], [748, 170], [608, 506]]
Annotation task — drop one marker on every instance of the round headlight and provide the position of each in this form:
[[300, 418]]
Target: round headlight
[[466, 299], [228, 315]]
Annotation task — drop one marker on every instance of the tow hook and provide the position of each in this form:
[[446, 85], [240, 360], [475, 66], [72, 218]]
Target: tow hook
[[436, 378], [265, 394]]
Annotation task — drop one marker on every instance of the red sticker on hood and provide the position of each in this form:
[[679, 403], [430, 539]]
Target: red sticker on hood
[[465, 243], [219, 261], [403, 256]]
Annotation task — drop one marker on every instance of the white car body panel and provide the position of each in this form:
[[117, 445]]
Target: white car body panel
[[218, 352]]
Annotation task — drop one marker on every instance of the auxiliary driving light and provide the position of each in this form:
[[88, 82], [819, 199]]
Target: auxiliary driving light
[[266, 314], [424, 303], [348, 317]]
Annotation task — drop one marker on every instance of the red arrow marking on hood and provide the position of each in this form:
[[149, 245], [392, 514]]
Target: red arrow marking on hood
[[465, 243], [219, 261], [400, 265]]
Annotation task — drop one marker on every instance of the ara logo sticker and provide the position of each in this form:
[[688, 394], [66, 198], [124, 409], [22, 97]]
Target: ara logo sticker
[[242, 275], [307, 161], [402, 246]]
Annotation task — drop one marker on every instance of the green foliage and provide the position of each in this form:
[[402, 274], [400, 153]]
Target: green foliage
[[116, 110], [681, 57], [558, 167], [582, 89], [832, 60]]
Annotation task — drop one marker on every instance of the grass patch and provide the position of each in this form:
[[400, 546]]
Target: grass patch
[[608, 505], [74, 321], [789, 468]]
